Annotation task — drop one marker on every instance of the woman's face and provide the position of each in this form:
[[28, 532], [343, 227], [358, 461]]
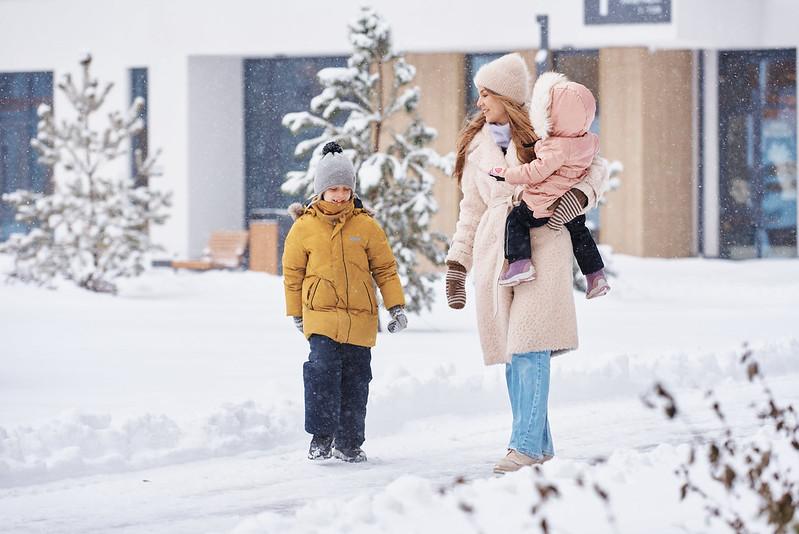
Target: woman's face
[[492, 107], [338, 194]]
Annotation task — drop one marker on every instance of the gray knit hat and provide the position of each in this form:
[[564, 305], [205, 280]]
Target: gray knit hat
[[333, 169], [507, 76]]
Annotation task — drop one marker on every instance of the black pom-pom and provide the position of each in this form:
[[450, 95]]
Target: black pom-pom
[[332, 146]]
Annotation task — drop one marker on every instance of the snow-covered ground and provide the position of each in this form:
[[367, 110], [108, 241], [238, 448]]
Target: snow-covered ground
[[177, 407]]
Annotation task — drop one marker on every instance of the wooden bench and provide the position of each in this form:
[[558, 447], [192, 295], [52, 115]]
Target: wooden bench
[[225, 250]]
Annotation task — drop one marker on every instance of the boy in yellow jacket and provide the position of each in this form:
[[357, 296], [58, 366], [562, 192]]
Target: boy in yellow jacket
[[332, 253]]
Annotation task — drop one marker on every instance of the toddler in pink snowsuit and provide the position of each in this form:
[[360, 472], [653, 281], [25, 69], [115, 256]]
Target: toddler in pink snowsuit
[[561, 113]]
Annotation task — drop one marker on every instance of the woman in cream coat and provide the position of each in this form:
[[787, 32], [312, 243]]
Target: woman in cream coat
[[521, 326]]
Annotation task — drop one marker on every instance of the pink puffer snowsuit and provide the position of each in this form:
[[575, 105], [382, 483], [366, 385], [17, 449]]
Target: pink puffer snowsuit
[[561, 112]]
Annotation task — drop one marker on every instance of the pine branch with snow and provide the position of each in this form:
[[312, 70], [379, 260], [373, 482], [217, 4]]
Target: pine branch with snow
[[370, 109], [94, 227]]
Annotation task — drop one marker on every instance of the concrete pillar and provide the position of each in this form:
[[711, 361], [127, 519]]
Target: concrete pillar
[[216, 147], [646, 102]]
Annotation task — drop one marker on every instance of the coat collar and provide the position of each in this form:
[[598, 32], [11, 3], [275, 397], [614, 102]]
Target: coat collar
[[297, 209]]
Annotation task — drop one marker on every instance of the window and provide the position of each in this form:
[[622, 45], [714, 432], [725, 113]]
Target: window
[[757, 149], [138, 88], [20, 96], [272, 88]]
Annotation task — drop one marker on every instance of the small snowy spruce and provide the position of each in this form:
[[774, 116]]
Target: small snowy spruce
[[94, 226], [370, 109]]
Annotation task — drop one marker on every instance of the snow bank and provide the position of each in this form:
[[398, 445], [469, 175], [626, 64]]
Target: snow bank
[[591, 377], [400, 396], [83, 444]]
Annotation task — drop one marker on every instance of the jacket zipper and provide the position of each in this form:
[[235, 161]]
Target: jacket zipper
[[346, 282]]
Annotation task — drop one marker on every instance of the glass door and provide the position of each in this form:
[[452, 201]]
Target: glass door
[[757, 147]]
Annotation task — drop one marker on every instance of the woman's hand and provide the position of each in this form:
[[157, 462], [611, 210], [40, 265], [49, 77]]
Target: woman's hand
[[456, 285]]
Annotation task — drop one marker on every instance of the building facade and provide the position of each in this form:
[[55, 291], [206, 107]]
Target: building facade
[[697, 100]]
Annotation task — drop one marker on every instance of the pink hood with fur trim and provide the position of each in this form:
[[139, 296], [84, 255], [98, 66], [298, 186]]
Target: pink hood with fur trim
[[561, 112]]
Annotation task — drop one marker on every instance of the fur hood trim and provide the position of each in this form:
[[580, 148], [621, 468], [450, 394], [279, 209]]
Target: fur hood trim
[[541, 102], [296, 209]]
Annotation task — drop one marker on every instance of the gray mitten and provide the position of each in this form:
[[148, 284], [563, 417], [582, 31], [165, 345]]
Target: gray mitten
[[399, 321], [298, 324]]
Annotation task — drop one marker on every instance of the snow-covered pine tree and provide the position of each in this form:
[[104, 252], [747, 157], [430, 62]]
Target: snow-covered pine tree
[[94, 227], [370, 109]]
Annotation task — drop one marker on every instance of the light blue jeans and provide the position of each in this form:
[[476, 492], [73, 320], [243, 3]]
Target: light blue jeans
[[527, 375]]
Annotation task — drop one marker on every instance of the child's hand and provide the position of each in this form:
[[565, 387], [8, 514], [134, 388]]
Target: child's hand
[[497, 173], [298, 324], [399, 321]]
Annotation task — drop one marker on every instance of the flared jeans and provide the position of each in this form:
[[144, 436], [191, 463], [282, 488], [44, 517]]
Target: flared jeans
[[527, 376]]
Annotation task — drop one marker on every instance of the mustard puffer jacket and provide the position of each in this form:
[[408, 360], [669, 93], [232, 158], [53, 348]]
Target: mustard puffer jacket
[[328, 270]]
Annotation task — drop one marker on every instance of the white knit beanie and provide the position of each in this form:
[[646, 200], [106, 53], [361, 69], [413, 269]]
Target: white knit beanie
[[507, 76]]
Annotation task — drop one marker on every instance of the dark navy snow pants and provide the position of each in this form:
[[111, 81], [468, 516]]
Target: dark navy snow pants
[[337, 377], [517, 239]]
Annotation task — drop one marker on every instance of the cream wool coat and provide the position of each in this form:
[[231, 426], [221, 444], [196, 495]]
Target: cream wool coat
[[532, 316]]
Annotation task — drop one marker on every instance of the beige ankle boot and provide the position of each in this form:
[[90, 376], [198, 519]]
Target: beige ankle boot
[[514, 460]]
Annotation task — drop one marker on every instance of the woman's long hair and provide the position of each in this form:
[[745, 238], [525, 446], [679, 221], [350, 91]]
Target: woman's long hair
[[521, 133]]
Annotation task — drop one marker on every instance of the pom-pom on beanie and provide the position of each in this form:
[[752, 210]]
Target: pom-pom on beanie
[[333, 169]]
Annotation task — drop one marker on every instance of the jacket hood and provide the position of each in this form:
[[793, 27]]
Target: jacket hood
[[298, 209], [560, 107]]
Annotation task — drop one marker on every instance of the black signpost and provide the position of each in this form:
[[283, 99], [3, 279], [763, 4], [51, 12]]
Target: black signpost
[[627, 12]]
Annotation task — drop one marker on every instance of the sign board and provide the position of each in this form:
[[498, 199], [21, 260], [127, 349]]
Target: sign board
[[627, 12]]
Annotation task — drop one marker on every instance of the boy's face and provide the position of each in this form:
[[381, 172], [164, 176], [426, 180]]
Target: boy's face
[[338, 194]]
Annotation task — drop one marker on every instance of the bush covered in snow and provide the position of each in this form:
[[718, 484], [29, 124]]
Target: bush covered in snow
[[754, 482]]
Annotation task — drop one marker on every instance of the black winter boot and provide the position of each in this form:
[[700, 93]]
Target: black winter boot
[[352, 455], [320, 447]]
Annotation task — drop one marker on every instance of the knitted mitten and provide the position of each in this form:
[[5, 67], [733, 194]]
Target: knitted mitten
[[456, 285], [399, 321], [570, 205]]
